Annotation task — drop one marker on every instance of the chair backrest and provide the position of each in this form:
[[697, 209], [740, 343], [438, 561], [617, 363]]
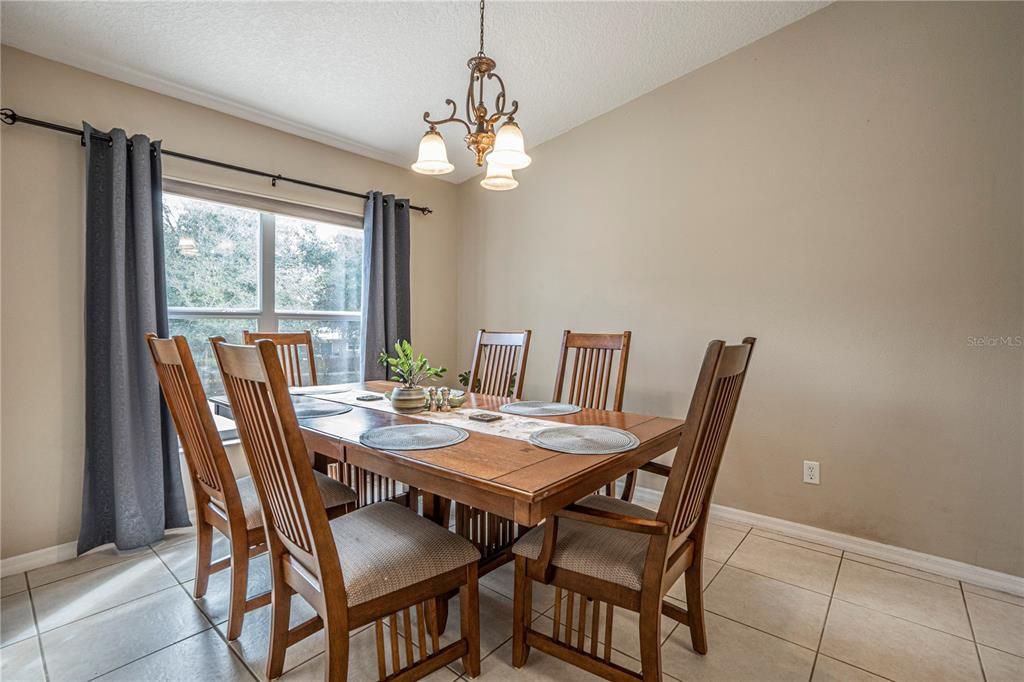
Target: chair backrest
[[207, 461], [293, 513], [289, 345], [499, 363], [592, 362], [687, 496]]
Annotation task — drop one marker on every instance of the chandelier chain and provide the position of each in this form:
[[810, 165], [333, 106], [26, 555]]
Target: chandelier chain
[[481, 26]]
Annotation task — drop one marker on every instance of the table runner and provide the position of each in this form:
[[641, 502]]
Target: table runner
[[509, 426]]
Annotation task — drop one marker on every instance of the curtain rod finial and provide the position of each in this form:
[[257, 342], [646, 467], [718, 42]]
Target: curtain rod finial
[[8, 116]]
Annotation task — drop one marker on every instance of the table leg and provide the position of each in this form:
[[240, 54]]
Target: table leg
[[436, 508]]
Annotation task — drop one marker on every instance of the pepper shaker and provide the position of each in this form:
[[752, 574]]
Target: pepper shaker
[[431, 399], [445, 405]]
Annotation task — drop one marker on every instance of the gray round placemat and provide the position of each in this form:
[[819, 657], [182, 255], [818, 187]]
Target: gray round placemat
[[539, 408], [307, 407], [585, 440], [413, 437]]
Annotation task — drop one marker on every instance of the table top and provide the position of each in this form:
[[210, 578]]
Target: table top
[[509, 468]]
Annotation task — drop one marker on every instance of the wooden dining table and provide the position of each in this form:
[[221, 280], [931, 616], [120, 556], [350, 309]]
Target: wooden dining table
[[504, 477]]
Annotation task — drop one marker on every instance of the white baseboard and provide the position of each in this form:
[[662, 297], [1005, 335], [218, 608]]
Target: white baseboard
[[39, 558], [958, 570]]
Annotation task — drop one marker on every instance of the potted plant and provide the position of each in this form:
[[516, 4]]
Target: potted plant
[[411, 370]]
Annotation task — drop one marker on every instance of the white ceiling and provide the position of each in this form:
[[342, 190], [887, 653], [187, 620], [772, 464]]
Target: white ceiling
[[359, 75]]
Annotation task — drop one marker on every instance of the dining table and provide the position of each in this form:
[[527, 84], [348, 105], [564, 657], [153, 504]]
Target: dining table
[[496, 476]]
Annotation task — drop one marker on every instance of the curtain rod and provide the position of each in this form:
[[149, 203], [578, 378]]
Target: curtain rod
[[10, 117]]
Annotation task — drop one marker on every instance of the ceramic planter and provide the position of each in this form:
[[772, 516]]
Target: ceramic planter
[[409, 399]]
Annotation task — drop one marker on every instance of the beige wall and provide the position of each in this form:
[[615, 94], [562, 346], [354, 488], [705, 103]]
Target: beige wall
[[848, 190], [43, 267]]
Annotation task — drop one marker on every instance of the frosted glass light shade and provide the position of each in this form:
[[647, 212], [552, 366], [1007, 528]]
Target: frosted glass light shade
[[433, 157], [509, 148], [499, 178]]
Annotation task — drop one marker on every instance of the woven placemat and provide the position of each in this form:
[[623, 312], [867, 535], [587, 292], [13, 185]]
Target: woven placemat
[[539, 408], [307, 407], [413, 437], [585, 440]]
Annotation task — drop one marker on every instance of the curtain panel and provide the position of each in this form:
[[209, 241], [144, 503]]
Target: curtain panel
[[386, 290], [132, 488]]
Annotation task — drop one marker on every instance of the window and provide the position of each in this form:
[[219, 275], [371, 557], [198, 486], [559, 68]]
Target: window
[[236, 262]]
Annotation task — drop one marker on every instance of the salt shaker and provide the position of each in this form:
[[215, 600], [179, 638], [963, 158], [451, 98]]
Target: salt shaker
[[445, 405], [431, 399]]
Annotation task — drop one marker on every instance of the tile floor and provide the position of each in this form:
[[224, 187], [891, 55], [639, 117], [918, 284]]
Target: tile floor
[[778, 608]]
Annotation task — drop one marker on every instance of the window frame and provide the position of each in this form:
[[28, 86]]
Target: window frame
[[266, 314]]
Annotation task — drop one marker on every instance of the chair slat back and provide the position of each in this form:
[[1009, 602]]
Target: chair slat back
[[289, 346], [593, 360], [183, 391], [273, 444], [708, 422], [499, 363]]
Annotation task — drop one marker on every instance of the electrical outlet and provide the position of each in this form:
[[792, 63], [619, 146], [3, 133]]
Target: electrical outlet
[[812, 472]]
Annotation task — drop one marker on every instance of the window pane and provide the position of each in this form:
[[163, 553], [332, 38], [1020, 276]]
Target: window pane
[[319, 266], [198, 332], [212, 254], [335, 347]]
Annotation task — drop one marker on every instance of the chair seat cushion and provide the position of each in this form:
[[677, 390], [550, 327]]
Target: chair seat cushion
[[333, 493], [616, 556], [385, 547]]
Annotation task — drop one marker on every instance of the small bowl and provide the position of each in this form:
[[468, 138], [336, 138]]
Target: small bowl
[[456, 397]]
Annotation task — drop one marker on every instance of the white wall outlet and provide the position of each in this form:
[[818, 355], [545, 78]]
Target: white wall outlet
[[812, 472]]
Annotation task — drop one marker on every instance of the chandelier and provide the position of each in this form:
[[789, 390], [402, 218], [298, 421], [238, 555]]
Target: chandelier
[[504, 151]]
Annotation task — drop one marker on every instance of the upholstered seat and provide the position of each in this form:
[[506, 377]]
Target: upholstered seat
[[333, 493], [384, 547], [616, 556]]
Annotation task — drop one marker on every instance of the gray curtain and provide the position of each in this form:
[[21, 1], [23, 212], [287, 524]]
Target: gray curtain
[[132, 489], [386, 317]]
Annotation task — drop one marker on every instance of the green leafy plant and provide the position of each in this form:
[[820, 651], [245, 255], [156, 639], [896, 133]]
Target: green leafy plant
[[407, 367]]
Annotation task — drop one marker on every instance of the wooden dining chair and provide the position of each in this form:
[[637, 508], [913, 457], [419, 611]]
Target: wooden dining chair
[[590, 384], [604, 549], [499, 363], [289, 346], [221, 502], [378, 562]]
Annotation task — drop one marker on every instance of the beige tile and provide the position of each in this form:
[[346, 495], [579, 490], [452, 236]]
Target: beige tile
[[830, 670], [904, 596], [12, 584], [1001, 666], [743, 528], [362, 663], [176, 536], [495, 623], [771, 535], [22, 662], [735, 652], [107, 640], [780, 609], [255, 637], [181, 557], [994, 594], [721, 542], [798, 566], [217, 599], [200, 657], [625, 628], [709, 570], [997, 624], [16, 620], [502, 581], [97, 558], [906, 570], [896, 648], [67, 600]]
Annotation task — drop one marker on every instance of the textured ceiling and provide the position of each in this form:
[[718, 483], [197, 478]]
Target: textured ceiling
[[359, 75]]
